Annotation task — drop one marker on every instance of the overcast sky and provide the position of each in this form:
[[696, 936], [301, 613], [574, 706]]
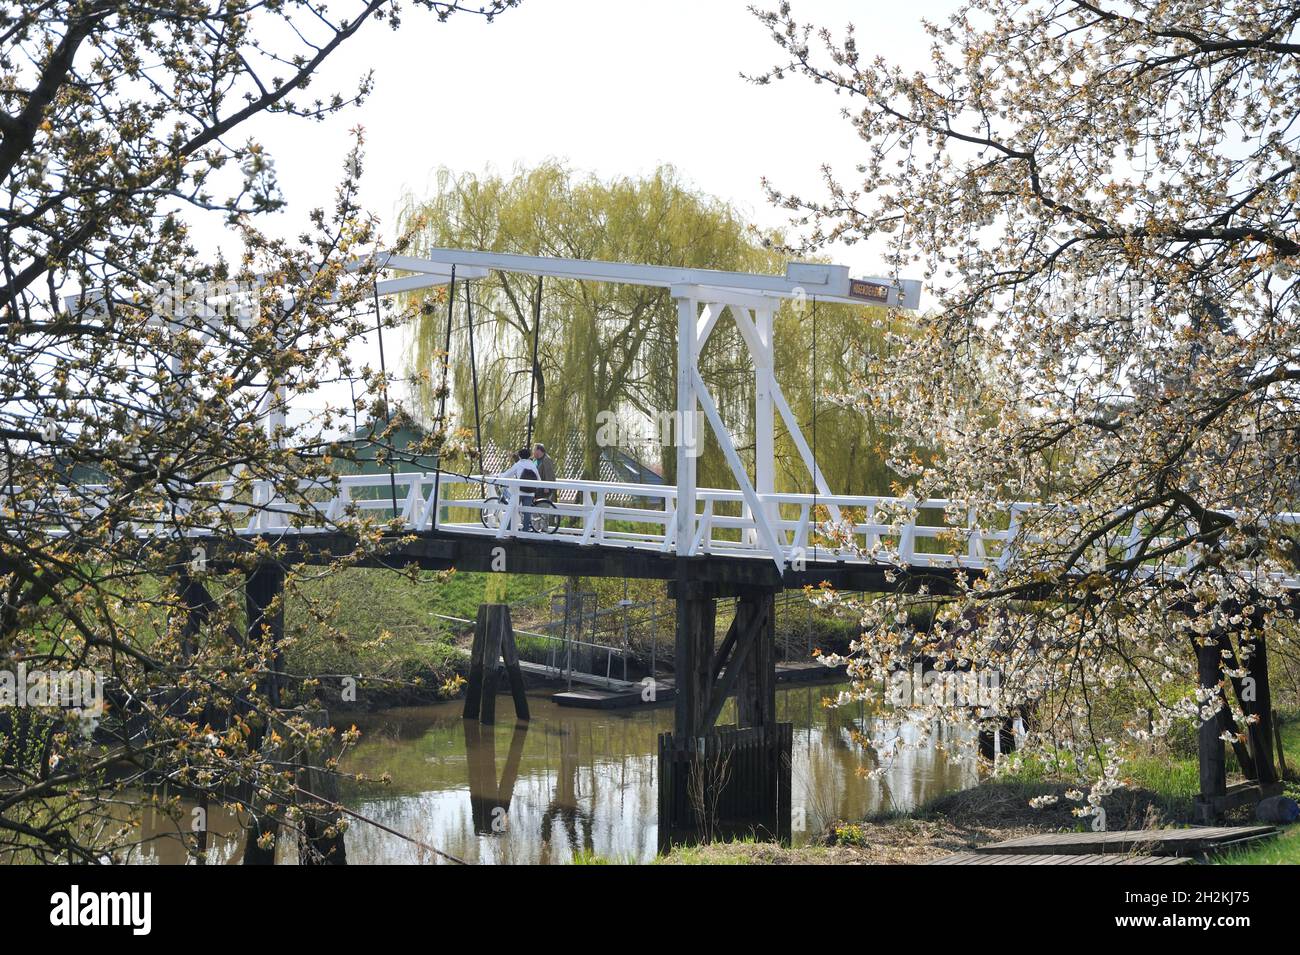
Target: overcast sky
[[615, 87]]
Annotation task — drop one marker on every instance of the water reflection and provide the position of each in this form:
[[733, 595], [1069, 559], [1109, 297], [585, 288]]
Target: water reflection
[[570, 781], [585, 781], [164, 840]]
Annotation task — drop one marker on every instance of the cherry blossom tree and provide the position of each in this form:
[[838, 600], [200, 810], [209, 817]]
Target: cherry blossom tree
[[1102, 197]]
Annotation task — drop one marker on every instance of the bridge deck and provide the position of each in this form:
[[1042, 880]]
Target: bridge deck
[[796, 538]]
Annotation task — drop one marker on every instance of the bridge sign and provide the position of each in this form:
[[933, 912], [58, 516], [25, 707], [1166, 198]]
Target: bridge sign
[[869, 291]]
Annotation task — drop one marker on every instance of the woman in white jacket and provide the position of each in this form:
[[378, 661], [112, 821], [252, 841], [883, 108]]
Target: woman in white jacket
[[523, 469]]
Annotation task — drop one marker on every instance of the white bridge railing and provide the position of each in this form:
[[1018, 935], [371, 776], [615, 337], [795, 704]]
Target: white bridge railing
[[869, 530]]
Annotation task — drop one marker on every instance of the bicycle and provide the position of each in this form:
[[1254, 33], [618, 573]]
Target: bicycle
[[495, 507]]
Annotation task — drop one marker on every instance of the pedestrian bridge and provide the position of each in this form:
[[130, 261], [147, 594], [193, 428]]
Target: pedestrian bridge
[[805, 529], [750, 526]]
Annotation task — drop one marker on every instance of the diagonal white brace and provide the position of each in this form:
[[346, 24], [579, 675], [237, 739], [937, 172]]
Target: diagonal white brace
[[738, 470]]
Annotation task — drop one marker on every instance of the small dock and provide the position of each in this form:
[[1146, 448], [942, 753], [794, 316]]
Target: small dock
[[1122, 847], [621, 696], [617, 694]]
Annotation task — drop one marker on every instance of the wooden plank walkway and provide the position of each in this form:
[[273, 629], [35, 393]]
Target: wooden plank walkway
[[1196, 840], [1115, 858], [617, 695]]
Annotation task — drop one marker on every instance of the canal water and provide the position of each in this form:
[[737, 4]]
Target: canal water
[[585, 780], [579, 781]]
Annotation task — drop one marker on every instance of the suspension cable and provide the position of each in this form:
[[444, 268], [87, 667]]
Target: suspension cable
[[532, 377], [442, 400], [473, 371], [388, 414], [814, 423]]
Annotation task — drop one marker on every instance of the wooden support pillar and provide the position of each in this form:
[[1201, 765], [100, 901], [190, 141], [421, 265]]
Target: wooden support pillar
[[263, 830], [744, 664], [1277, 740], [732, 780], [756, 679], [1245, 752], [197, 604], [264, 593], [264, 604], [494, 640], [693, 657]]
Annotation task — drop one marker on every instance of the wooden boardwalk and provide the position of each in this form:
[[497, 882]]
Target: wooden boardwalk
[[1196, 840], [1122, 847], [986, 858]]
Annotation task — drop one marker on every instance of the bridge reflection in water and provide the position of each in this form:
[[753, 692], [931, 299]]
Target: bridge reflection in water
[[569, 781], [577, 781]]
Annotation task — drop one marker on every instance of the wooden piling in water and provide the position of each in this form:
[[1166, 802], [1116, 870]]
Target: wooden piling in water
[[733, 782], [494, 644]]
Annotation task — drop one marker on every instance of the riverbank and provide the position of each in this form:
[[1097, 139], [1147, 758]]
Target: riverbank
[[1160, 794], [391, 645], [392, 640]]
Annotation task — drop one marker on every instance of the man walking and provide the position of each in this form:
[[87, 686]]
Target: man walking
[[545, 471]]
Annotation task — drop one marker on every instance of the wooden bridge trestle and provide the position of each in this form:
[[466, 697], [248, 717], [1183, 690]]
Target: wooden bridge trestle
[[721, 782], [731, 782]]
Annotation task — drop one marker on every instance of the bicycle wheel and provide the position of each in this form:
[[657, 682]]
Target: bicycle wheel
[[492, 511], [547, 522]]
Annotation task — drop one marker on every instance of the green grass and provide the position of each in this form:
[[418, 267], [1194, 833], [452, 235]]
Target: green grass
[[1169, 781], [729, 852], [594, 858], [701, 855], [1289, 723], [390, 624], [1284, 850]]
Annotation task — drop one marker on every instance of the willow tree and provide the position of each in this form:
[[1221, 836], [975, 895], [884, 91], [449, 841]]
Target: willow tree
[[1103, 195], [139, 371], [612, 348]]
